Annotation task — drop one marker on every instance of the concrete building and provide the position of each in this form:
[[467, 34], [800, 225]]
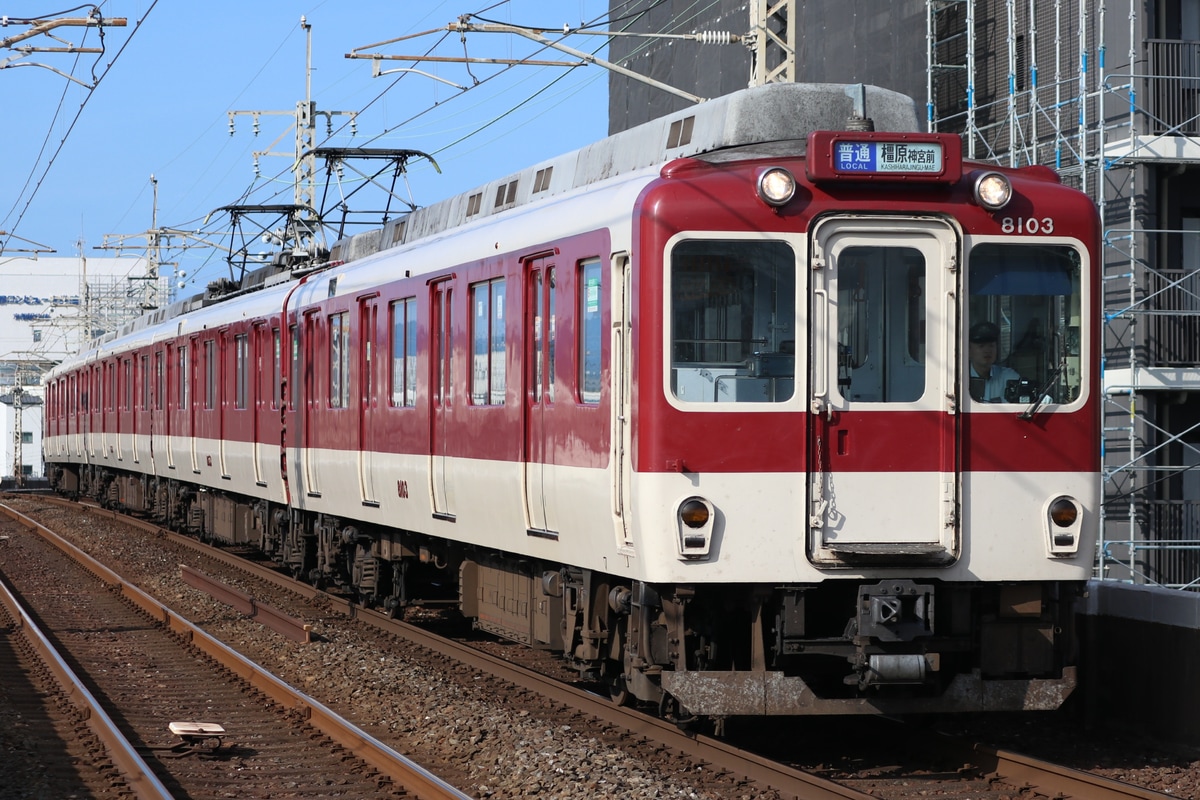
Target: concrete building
[[1107, 93], [49, 307]]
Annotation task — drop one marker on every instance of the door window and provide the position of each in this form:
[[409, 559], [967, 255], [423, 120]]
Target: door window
[[881, 324]]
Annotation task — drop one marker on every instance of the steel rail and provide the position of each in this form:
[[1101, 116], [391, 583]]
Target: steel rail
[[404, 772], [717, 754], [138, 776], [1008, 766]]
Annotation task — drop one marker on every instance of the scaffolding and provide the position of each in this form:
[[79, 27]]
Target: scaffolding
[[1028, 83]]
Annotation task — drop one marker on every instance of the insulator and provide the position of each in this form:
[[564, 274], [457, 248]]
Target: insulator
[[716, 37], [860, 124]]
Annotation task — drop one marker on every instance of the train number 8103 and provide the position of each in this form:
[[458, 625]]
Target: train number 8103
[[1027, 225]]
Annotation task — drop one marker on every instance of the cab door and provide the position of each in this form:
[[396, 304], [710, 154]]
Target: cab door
[[884, 455]]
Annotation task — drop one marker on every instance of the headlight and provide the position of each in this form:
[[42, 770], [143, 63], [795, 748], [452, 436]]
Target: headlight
[[776, 186], [694, 518], [693, 513], [1063, 526], [1063, 512], [993, 191]]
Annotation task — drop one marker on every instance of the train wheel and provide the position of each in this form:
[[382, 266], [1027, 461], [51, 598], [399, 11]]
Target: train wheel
[[618, 689]]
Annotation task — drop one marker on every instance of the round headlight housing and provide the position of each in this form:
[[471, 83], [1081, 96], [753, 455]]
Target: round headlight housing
[[693, 512], [1063, 512], [993, 190], [776, 186]]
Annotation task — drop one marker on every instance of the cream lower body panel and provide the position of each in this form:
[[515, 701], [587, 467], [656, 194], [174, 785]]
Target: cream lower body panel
[[760, 532]]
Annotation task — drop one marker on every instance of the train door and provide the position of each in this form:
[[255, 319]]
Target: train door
[[218, 402], [621, 348], [883, 481], [441, 396], [539, 393], [141, 407], [264, 380], [177, 379], [192, 411], [369, 418], [312, 397], [97, 438], [159, 427], [124, 413]]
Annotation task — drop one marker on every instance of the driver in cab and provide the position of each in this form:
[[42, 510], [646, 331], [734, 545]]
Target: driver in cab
[[988, 379]]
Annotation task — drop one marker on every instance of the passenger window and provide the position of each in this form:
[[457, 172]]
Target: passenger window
[[339, 360], [488, 384], [404, 352], [589, 331], [1024, 323], [241, 350], [210, 374], [733, 317]]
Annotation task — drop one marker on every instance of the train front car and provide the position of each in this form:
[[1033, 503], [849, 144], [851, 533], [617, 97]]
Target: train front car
[[864, 437]]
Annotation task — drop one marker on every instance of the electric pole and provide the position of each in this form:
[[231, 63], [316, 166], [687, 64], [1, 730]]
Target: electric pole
[[304, 124], [772, 42]]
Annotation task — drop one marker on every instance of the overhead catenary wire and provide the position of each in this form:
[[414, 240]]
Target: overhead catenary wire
[[71, 127]]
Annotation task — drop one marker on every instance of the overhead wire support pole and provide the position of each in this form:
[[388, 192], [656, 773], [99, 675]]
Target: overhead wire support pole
[[304, 125], [43, 27], [773, 46], [38, 247]]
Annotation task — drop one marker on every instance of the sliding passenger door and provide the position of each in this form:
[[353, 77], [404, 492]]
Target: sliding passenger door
[[883, 480], [370, 419], [539, 393], [441, 396]]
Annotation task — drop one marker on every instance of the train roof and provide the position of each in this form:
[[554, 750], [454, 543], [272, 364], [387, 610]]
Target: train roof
[[748, 121], [779, 112]]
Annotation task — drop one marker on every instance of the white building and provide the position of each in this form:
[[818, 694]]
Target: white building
[[49, 308]]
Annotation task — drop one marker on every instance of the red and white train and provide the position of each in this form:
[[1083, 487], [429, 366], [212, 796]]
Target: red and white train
[[693, 406]]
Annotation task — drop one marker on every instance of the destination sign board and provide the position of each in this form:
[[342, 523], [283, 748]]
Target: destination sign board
[[884, 156], [893, 157]]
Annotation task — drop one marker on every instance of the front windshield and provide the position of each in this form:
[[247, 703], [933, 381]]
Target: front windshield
[[1024, 323], [733, 312]]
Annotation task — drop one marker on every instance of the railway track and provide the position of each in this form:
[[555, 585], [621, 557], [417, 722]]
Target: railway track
[[205, 721], [983, 772], [63, 742]]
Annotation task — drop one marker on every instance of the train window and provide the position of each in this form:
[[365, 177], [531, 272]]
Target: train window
[[294, 378], [127, 384], [241, 366], [488, 384], [589, 331], [881, 324], [404, 352], [181, 398], [144, 377], [276, 364], [210, 374], [733, 321], [1024, 321], [339, 360], [160, 387]]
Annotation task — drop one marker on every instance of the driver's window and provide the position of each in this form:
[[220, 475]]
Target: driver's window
[[1023, 323]]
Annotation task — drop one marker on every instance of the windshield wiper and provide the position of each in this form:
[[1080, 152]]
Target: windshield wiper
[[1039, 397]]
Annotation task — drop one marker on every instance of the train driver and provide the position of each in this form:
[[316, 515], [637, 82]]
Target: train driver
[[988, 380]]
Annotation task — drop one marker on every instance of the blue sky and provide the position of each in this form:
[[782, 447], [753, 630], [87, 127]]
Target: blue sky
[[78, 162]]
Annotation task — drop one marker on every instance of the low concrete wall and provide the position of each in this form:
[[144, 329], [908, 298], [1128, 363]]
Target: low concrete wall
[[1140, 654]]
